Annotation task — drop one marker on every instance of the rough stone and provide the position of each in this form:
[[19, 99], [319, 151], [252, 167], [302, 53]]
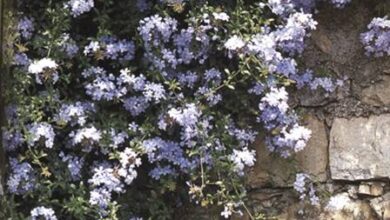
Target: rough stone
[[371, 189], [352, 192], [272, 170], [356, 210], [364, 189], [322, 41], [314, 158], [339, 50], [281, 204], [359, 148], [310, 98], [386, 213], [193, 212], [381, 205], [376, 189], [299, 211], [378, 94], [347, 209]]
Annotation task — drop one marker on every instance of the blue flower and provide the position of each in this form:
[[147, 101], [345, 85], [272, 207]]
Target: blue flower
[[22, 177], [136, 105], [376, 40], [41, 130], [154, 91], [78, 7], [26, 27]]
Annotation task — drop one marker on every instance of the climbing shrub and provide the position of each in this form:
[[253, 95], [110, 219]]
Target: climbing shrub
[[133, 109]]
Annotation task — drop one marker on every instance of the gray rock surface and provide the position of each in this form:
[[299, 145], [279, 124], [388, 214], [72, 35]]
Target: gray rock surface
[[378, 94], [314, 158], [381, 206], [360, 148]]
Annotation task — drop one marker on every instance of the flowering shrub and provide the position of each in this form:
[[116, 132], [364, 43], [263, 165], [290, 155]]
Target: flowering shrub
[[119, 110]]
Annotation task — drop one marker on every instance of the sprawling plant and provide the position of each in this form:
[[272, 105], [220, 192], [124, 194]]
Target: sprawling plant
[[127, 109]]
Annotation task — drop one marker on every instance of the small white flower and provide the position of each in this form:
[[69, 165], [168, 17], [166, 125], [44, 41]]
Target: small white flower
[[46, 213], [227, 211], [221, 16], [79, 7], [243, 158], [42, 130], [91, 134], [234, 43], [92, 47], [40, 65], [277, 97]]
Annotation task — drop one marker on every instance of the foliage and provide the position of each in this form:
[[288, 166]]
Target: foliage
[[119, 110]]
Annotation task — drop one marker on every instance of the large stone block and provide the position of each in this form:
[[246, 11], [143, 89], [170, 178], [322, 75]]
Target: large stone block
[[360, 148]]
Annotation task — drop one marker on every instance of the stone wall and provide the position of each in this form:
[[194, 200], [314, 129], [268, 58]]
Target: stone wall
[[349, 152]]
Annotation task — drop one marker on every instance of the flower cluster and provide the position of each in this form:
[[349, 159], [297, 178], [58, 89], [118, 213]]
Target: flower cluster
[[376, 40], [74, 164], [26, 27], [243, 158], [156, 32], [69, 46], [11, 140], [21, 59], [109, 47], [304, 186], [78, 7], [44, 69], [104, 182], [276, 118], [159, 150], [87, 134], [43, 212], [106, 179], [22, 179], [39, 131], [74, 113]]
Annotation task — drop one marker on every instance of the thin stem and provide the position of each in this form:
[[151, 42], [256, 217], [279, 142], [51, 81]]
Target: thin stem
[[202, 171], [243, 203]]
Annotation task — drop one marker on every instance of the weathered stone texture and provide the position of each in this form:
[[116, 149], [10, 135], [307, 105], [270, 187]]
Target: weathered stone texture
[[371, 189], [381, 206], [359, 148], [314, 158], [349, 209], [272, 170], [378, 94]]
